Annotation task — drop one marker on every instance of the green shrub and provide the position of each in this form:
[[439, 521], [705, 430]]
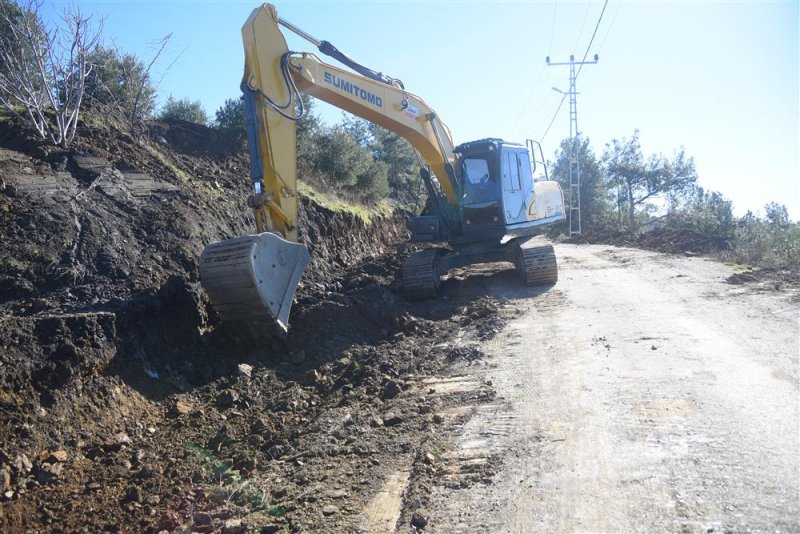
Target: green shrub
[[184, 110], [346, 166], [230, 123]]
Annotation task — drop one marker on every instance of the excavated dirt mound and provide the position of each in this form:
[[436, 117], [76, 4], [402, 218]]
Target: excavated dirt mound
[[768, 279], [126, 406], [671, 241]]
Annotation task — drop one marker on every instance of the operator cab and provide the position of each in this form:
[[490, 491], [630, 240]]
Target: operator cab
[[496, 194], [496, 187]]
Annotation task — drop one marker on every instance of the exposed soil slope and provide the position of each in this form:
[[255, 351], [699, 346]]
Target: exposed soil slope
[[124, 406]]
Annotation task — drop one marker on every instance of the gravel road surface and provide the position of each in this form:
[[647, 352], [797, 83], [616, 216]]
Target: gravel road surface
[[640, 393]]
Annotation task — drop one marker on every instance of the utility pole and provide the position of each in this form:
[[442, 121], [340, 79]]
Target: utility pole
[[574, 161]]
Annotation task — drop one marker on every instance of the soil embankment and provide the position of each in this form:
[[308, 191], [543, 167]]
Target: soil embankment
[[123, 406]]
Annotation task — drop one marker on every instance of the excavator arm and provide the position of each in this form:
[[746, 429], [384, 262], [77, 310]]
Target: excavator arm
[[254, 278], [273, 79]]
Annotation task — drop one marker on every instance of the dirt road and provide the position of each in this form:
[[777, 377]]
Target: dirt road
[[642, 392]]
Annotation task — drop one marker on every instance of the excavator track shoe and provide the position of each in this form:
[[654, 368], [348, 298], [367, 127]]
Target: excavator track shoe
[[253, 279], [421, 275], [537, 265]]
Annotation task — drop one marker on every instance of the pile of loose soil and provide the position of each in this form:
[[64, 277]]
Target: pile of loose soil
[[767, 279], [125, 405], [669, 240], [678, 241]]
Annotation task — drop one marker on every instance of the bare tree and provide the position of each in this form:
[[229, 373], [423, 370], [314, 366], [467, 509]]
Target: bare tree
[[43, 70]]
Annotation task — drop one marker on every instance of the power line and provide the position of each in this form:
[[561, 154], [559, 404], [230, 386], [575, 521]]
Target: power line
[[541, 72], [583, 24], [530, 95], [596, 26], [613, 20], [541, 140], [585, 55], [552, 27]]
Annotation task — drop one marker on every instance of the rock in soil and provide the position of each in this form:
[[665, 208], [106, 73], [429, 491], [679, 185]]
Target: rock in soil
[[391, 390], [419, 519]]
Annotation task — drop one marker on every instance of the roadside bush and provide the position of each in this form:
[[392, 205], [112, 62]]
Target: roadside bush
[[391, 149], [230, 123], [340, 159], [773, 241], [705, 212], [184, 110], [373, 184], [400, 159], [344, 165]]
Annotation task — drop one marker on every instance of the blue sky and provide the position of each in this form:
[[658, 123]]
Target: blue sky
[[721, 79]]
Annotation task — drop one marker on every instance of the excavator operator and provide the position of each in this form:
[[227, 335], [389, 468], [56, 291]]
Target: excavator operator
[[480, 185]]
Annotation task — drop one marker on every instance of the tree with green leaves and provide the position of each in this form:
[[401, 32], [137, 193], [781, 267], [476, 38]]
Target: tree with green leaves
[[751, 240], [706, 212], [308, 129], [340, 158], [122, 80], [595, 211], [390, 148], [345, 165], [637, 181], [230, 123], [784, 235], [359, 129], [400, 158], [184, 110], [773, 241]]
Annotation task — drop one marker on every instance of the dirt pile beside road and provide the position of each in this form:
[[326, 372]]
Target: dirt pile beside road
[[123, 404], [769, 279], [669, 240]]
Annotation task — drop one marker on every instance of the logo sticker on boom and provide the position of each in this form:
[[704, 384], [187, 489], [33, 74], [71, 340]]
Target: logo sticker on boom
[[353, 89], [411, 112]]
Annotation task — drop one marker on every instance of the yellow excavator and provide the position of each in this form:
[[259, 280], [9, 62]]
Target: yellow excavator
[[484, 203]]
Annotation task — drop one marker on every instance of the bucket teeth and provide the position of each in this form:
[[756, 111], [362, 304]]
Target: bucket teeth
[[253, 279]]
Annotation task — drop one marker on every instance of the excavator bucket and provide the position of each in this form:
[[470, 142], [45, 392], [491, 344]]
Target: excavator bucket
[[253, 279]]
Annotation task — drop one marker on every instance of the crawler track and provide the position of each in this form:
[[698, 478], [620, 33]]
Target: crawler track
[[537, 265], [421, 275]]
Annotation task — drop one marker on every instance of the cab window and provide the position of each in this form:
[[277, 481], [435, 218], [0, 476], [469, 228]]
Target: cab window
[[511, 172], [479, 184], [524, 170]]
